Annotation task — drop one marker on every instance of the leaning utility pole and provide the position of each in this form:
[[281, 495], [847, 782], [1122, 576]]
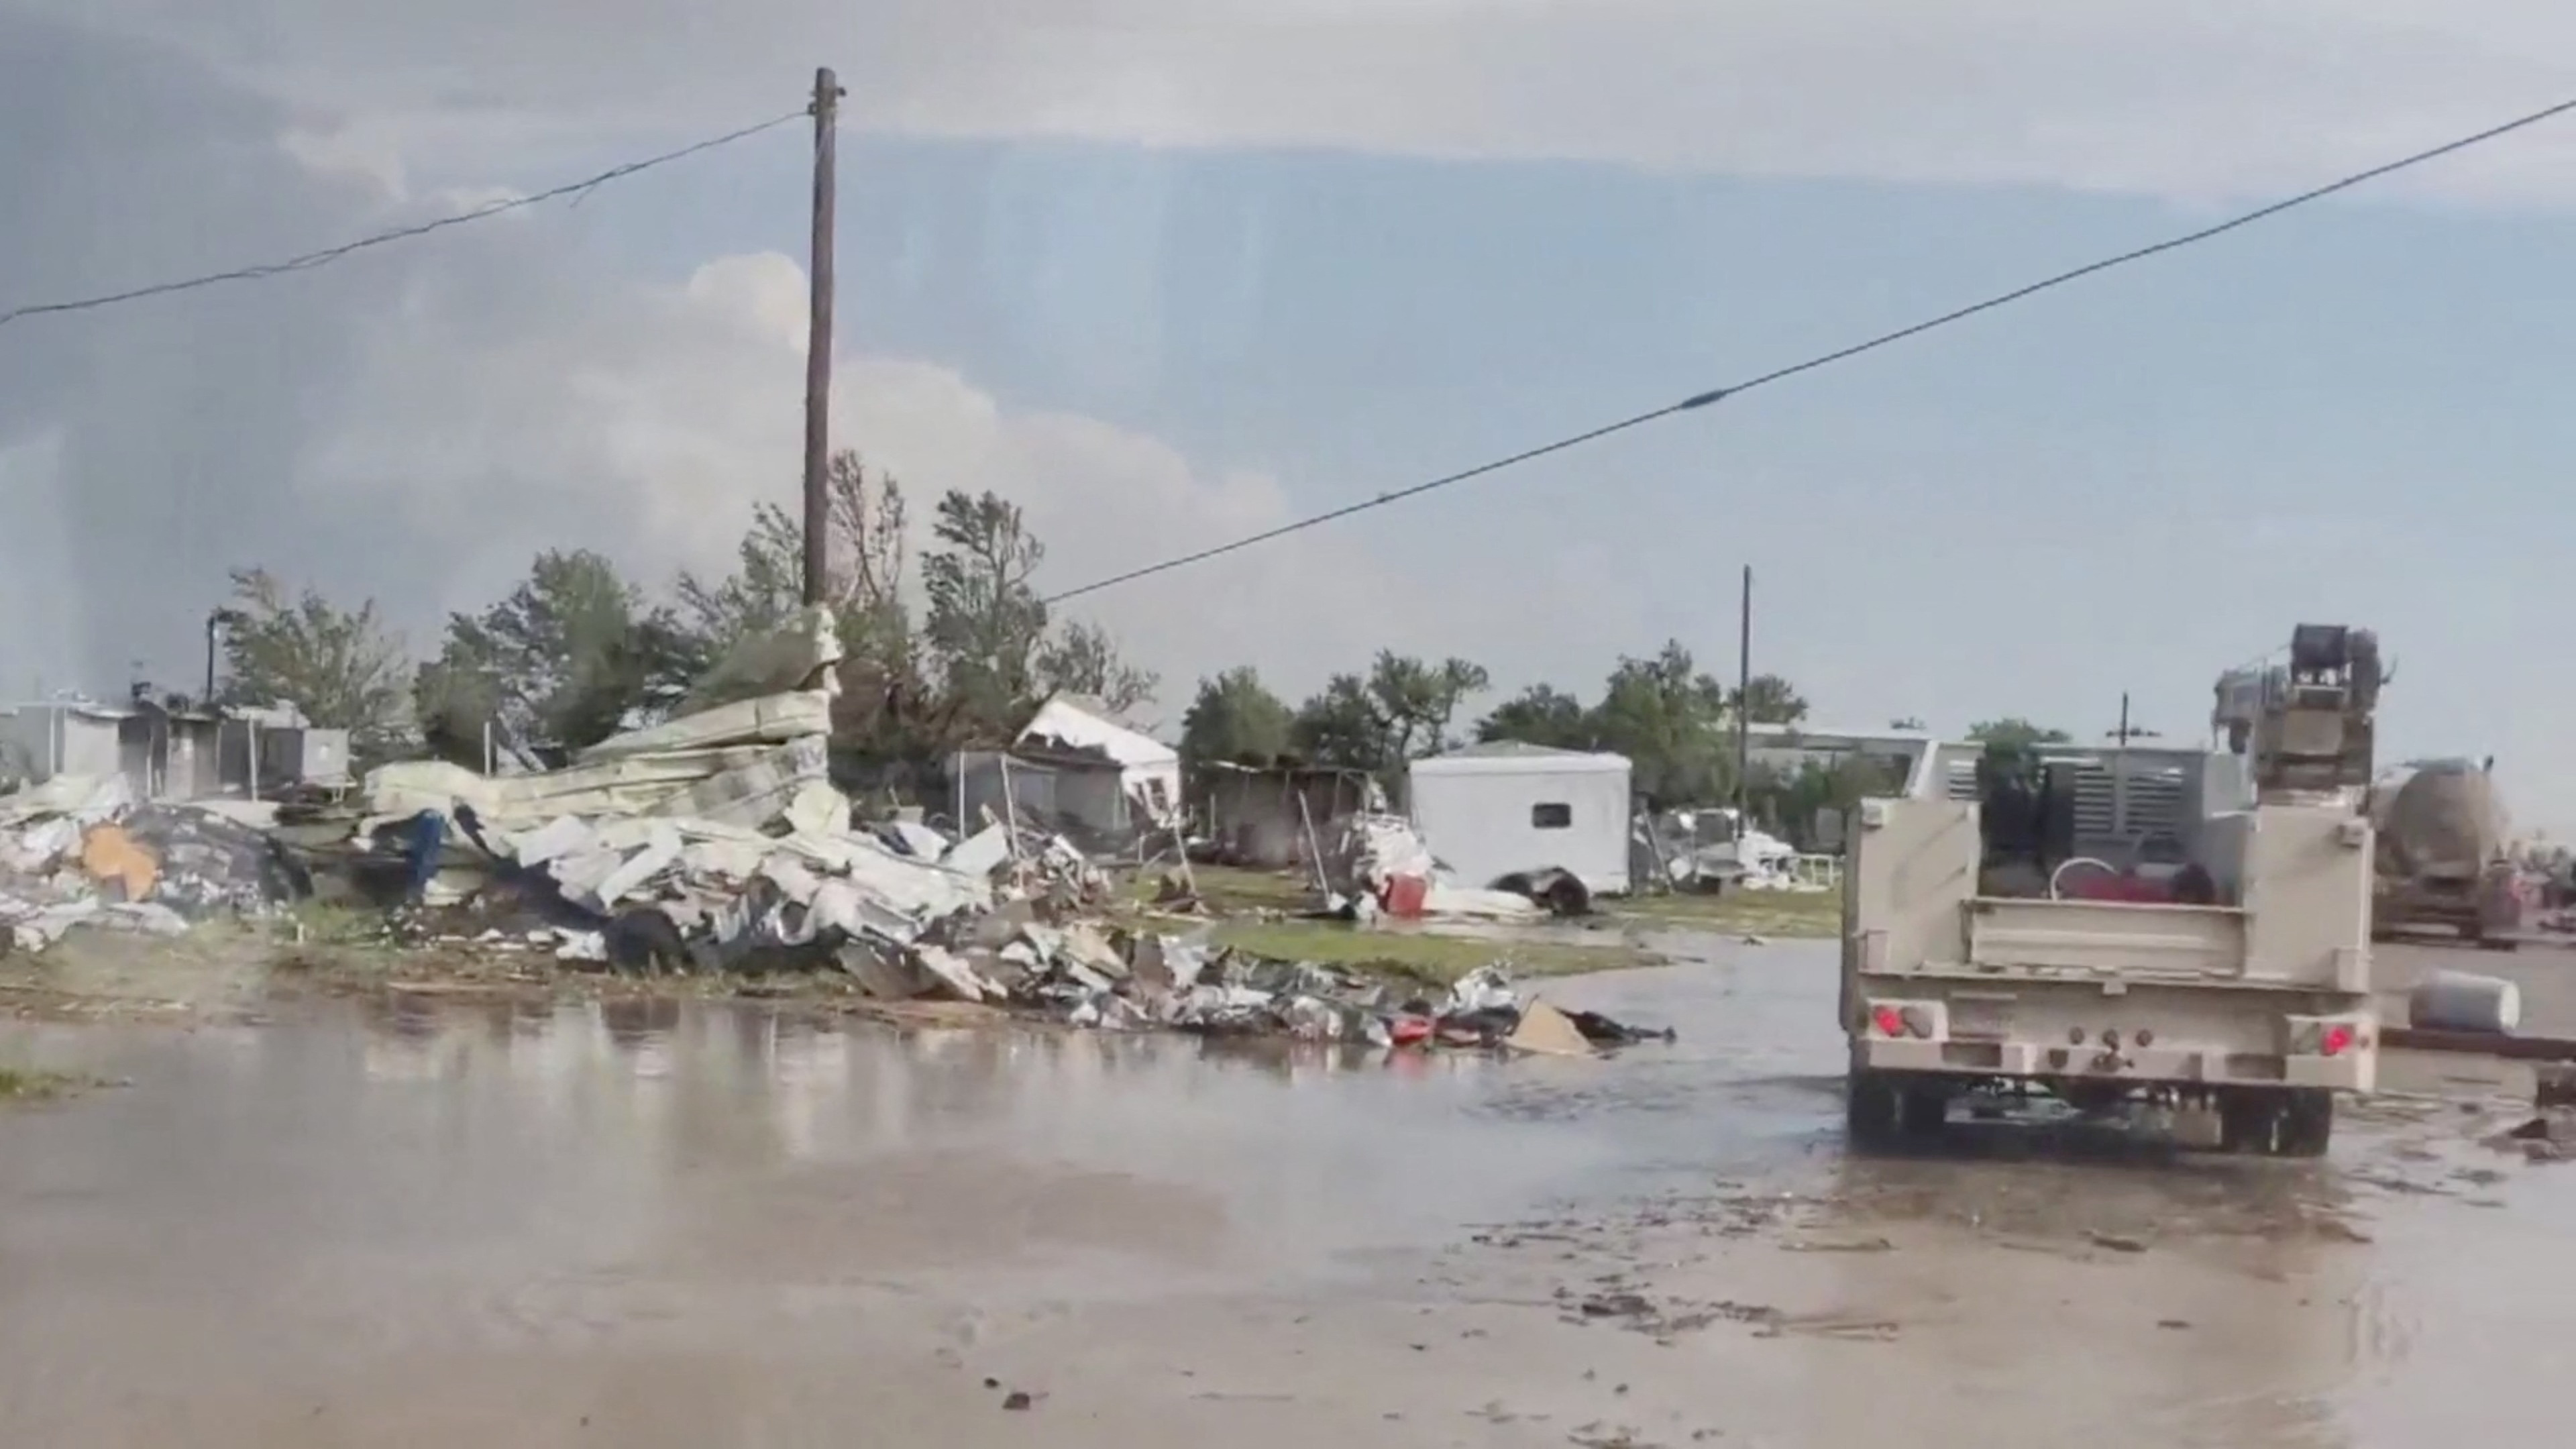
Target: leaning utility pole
[[818, 349], [1744, 706]]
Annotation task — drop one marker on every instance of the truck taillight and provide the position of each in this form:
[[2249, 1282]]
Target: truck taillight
[[1889, 1021], [2336, 1038]]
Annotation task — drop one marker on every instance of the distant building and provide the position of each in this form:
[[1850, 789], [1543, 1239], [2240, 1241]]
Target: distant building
[[1900, 754], [170, 754], [1259, 815], [1077, 771]]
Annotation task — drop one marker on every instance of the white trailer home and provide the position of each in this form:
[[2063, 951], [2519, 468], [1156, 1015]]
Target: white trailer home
[[1494, 810]]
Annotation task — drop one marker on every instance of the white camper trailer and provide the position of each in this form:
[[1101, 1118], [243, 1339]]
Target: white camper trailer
[[1494, 810]]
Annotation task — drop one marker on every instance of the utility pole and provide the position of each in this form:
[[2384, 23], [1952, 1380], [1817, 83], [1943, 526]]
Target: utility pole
[[818, 346], [1744, 707], [2127, 731]]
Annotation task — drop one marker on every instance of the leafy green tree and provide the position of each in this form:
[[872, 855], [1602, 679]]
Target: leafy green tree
[[1542, 715], [1083, 659], [569, 658], [1418, 699], [1341, 725], [1236, 720], [985, 618], [1399, 711], [340, 667], [985, 632], [2016, 732], [1793, 801], [1775, 702], [1671, 720], [882, 701]]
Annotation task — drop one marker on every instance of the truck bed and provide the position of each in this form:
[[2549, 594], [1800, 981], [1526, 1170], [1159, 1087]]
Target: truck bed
[[2271, 988]]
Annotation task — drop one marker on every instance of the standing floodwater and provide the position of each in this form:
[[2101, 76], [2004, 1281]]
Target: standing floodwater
[[428, 1223]]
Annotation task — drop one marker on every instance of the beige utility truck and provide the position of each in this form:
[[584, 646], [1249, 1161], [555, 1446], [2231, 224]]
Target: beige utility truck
[[2005, 932]]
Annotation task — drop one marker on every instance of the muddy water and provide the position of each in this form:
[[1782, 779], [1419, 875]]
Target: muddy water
[[429, 1224]]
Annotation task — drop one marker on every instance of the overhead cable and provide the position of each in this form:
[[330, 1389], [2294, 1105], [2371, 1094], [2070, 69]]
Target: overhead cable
[[1827, 359], [328, 255]]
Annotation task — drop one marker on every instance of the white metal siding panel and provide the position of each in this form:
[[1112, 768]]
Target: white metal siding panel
[[90, 747], [1479, 823]]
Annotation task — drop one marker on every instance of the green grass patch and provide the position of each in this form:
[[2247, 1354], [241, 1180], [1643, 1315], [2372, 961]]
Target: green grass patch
[[26, 1084], [331, 923], [1426, 956], [1234, 891], [1754, 913]]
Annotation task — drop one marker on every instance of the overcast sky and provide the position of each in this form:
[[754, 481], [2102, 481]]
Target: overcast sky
[[1169, 271]]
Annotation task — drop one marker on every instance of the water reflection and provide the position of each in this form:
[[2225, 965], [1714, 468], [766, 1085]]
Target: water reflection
[[422, 1178]]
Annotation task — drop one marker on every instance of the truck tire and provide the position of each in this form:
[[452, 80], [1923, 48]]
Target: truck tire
[[1922, 1111], [1872, 1110], [2249, 1121], [2307, 1123]]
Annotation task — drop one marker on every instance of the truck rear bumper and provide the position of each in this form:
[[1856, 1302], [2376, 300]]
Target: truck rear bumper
[[2115, 1033], [2353, 1070]]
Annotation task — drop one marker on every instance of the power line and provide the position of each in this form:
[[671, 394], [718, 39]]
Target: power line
[[310, 260], [1842, 354]]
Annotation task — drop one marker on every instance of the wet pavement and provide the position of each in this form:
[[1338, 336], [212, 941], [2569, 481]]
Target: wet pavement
[[432, 1224]]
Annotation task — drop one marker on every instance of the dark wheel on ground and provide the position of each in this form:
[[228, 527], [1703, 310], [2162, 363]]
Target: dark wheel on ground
[[2496, 943], [1871, 1109], [2249, 1120], [1922, 1111], [643, 938], [2307, 1123]]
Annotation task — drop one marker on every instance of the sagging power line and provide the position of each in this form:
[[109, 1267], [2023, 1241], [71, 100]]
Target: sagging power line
[[1840, 354], [328, 255]]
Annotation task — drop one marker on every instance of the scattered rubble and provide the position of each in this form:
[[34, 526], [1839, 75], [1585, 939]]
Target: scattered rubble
[[80, 852], [1378, 864], [1709, 849], [714, 843]]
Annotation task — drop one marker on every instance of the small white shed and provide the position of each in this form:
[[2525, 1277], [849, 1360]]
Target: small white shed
[[1493, 810]]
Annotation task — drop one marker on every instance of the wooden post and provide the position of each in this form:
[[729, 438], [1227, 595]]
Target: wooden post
[[1314, 847], [1010, 802], [818, 348]]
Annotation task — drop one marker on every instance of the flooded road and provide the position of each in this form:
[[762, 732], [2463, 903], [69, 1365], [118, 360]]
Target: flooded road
[[431, 1224]]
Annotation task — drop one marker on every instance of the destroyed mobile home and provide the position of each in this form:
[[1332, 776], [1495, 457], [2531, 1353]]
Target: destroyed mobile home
[[714, 843]]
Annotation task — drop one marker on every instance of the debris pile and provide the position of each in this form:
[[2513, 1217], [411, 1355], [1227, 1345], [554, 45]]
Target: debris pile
[[713, 842], [79, 851], [1378, 864], [1707, 849]]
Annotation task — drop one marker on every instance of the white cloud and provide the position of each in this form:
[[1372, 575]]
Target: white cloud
[[649, 424], [415, 423], [2179, 97]]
